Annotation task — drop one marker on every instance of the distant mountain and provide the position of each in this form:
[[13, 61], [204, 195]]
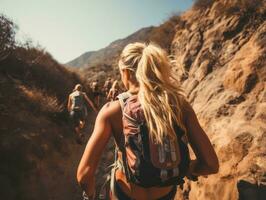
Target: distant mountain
[[107, 54], [79, 61], [102, 63]]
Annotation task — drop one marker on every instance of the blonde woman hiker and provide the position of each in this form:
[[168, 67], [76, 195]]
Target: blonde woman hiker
[[113, 91], [152, 124], [107, 86], [78, 110]]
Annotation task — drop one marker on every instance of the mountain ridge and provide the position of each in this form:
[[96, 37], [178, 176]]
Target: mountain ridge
[[93, 57]]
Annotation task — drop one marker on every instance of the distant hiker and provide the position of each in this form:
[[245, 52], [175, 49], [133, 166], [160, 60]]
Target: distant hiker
[[78, 110], [96, 92], [114, 91], [107, 86], [151, 124]]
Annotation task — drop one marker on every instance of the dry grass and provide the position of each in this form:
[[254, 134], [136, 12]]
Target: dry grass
[[232, 7], [36, 68], [41, 100]]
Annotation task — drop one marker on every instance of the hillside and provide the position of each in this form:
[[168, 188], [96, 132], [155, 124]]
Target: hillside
[[38, 151]]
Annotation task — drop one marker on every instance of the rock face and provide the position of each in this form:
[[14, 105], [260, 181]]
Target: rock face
[[222, 49]]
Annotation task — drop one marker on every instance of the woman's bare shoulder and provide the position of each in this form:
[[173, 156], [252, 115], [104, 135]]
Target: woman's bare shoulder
[[111, 109], [186, 108]]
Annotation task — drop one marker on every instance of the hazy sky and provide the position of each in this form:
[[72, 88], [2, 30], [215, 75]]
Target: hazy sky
[[68, 28]]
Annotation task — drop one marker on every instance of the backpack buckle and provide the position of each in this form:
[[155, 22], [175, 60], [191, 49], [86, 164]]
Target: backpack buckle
[[175, 172], [161, 153], [164, 174]]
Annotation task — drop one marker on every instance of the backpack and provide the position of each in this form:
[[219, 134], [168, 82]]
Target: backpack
[[145, 162], [77, 100]]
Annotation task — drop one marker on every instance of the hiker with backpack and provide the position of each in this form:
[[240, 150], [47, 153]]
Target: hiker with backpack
[[96, 92], [78, 110], [152, 124], [107, 86]]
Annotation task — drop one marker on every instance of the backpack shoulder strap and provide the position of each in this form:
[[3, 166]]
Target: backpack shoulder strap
[[123, 98]]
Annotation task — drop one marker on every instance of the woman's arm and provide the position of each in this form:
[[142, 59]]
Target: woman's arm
[[69, 103], [109, 95], [90, 103], [93, 151], [206, 159]]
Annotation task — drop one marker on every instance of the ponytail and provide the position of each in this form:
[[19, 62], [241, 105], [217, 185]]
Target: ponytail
[[160, 93]]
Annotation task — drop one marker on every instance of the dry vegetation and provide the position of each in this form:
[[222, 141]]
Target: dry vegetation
[[34, 130], [164, 34], [7, 36], [203, 4], [233, 7]]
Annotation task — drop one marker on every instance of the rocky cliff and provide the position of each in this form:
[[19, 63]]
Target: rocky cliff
[[222, 47]]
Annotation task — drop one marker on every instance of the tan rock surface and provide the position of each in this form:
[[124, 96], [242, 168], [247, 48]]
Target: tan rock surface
[[225, 83]]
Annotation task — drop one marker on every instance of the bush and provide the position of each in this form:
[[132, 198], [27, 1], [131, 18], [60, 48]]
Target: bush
[[36, 68], [163, 35], [203, 4], [232, 7], [244, 6]]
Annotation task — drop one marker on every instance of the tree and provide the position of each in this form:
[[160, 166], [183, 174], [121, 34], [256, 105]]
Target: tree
[[7, 36]]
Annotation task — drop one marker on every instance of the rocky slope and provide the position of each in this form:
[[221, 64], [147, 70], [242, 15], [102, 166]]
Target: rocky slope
[[222, 47]]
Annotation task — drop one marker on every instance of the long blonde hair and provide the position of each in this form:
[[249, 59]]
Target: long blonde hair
[[115, 85], [160, 94]]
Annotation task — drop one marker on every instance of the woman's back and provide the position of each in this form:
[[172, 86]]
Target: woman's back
[[132, 190]]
